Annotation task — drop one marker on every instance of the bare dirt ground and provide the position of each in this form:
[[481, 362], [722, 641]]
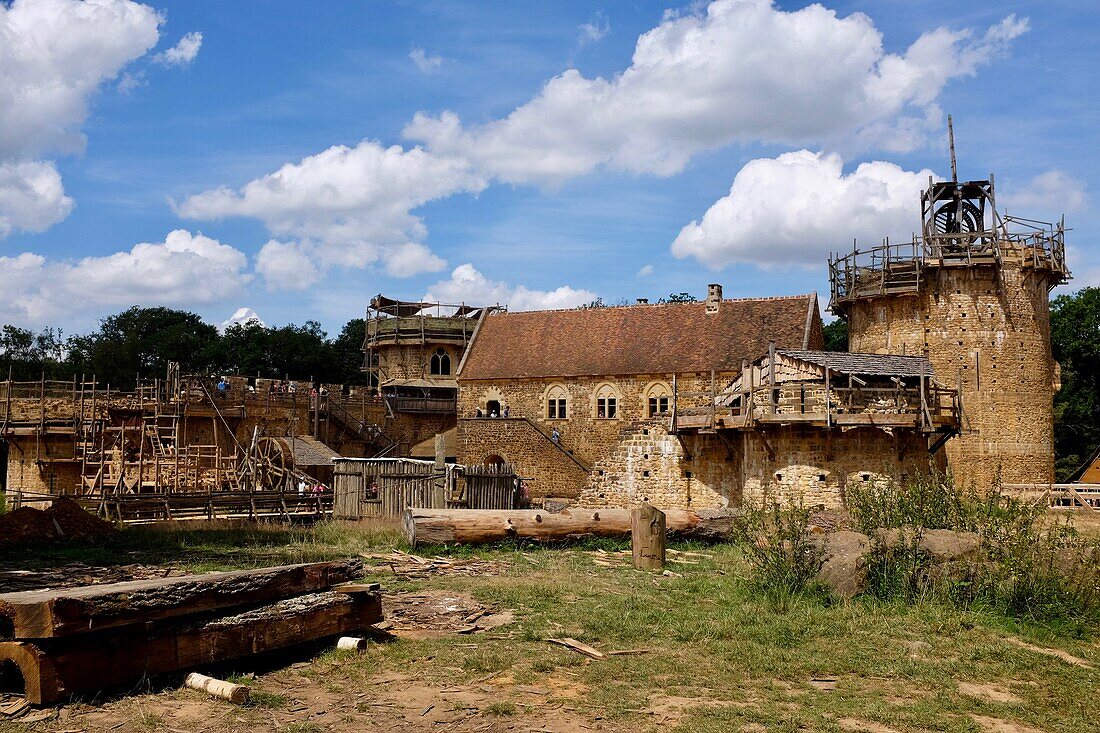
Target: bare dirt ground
[[464, 649]]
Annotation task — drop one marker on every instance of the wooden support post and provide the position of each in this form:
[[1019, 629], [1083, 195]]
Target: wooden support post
[[771, 375], [647, 537], [713, 400], [746, 392]]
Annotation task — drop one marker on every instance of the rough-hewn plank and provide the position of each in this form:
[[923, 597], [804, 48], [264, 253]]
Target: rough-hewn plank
[[50, 614], [57, 668]]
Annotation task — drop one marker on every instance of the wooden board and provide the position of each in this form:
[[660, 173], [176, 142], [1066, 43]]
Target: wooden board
[[51, 614], [57, 668]]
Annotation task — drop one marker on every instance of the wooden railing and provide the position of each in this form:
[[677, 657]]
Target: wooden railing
[[1065, 496], [928, 407], [424, 404]]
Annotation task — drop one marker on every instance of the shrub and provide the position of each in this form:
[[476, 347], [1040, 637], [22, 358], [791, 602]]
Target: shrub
[[1029, 564], [780, 549]]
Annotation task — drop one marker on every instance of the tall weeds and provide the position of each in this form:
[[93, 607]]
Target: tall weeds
[[780, 549], [1030, 564]]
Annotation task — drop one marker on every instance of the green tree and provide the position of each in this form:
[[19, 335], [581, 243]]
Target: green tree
[[1075, 343], [679, 298], [141, 342], [836, 335], [347, 352]]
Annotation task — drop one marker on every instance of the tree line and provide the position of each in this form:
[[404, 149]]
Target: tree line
[[139, 343]]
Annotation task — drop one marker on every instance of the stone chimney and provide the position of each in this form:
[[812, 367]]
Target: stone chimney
[[714, 297]]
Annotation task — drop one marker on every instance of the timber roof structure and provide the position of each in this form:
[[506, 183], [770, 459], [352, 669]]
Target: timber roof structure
[[665, 338]]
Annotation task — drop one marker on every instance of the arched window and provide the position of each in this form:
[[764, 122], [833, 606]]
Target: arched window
[[557, 403], [607, 402], [441, 362], [657, 399]]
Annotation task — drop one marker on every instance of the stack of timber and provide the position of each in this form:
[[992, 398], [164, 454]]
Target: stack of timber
[[150, 508], [479, 526], [92, 638]]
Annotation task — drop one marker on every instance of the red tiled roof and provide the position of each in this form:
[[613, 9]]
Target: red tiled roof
[[638, 339]]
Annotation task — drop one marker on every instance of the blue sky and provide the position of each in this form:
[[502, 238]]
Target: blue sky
[[171, 142]]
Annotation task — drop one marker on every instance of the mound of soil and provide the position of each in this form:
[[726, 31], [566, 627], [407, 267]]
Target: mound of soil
[[64, 520]]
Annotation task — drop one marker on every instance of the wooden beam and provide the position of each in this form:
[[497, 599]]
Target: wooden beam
[[56, 669], [51, 614]]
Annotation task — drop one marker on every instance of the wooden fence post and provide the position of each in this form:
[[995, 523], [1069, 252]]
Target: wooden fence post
[[647, 537]]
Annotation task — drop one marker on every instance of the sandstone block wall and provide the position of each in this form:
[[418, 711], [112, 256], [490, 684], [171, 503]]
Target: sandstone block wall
[[515, 440], [986, 329], [590, 438], [650, 465], [815, 466]]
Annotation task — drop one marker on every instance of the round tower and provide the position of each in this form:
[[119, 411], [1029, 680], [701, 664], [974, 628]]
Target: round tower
[[972, 293]]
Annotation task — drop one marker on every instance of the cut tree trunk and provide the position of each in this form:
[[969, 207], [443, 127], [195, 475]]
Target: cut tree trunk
[[56, 668], [479, 526], [647, 537], [51, 614]]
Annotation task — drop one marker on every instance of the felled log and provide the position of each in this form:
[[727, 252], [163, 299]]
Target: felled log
[[51, 614], [218, 688], [479, 526], [57, 668]]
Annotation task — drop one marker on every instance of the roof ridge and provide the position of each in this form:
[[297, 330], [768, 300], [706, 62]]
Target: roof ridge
[[652, 305]]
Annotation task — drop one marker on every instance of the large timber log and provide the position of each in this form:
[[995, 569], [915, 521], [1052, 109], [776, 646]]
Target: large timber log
[[51, 614], [53, 669], [479, 526]]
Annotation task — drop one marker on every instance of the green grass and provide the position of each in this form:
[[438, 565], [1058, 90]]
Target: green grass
[[747, 658]]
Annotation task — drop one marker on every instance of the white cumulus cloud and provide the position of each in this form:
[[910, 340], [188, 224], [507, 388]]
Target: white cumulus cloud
[[32, 197], [468, 285], [184, 269], [740, 70], [243, 316], [54, 56], [424, 61], [348, 207], [183, 53], [1046, 195], [795, 209], [287, 265]]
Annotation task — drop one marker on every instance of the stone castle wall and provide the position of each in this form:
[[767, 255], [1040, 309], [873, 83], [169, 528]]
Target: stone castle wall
[[529, 450], [809, 467], [986, 329], [413, 361], [590, 437], [650, 465], [813, 466]]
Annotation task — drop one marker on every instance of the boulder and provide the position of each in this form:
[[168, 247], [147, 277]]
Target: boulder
[[845, 567], [941, 545]]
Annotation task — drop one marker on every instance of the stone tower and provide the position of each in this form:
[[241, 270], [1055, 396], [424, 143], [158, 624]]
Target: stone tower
[[972, 293]]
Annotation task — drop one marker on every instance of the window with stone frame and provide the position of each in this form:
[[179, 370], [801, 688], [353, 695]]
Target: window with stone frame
[[607, 403], [441, 362], [658, 400], [557, 403]]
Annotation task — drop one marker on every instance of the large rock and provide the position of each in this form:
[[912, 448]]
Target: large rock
[[941, 545], [845, 567]]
